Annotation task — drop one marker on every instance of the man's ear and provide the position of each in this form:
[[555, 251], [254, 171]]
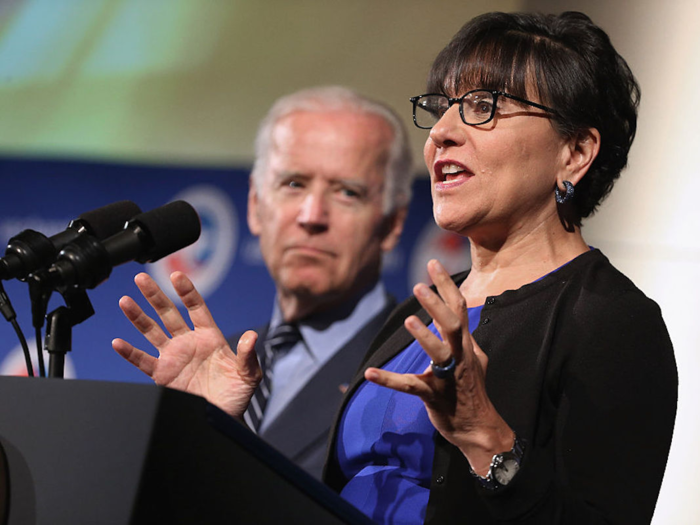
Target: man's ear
[[252, 212], [582, 151], [393, 227]]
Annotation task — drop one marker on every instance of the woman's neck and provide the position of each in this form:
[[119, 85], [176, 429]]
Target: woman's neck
[[517, 261]]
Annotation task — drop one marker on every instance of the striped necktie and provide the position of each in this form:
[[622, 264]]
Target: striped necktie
[[282, 338]]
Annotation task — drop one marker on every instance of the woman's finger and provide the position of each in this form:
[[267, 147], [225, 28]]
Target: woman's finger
[[163, 306], [192, 300], [453, 298], [446, 321], [447, 288], [431, 344], [143, 323], [407, 383], [143, 361], [247, 358]]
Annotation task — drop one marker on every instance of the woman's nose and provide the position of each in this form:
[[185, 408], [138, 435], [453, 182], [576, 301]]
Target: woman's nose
[[450, 129]]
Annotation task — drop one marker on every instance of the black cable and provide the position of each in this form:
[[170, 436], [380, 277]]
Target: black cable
[[11, 316], [39, 352], [25, 347], [39, 297]]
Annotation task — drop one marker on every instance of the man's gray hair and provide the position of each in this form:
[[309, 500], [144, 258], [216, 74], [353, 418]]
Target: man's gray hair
[[399, 168]]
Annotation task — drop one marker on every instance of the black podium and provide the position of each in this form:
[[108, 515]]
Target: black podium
[[91, 452]]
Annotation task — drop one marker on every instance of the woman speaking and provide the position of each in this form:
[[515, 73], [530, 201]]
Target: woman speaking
[[538, 387]]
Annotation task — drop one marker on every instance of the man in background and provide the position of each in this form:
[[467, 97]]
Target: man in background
[[329, 192]]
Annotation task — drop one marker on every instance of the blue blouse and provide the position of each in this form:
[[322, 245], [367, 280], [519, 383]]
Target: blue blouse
[[385, 444]]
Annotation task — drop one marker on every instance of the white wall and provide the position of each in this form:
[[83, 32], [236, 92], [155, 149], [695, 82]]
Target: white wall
[[649, 225]]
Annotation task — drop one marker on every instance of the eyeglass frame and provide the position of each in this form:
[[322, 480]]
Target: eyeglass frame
[[494, 93]]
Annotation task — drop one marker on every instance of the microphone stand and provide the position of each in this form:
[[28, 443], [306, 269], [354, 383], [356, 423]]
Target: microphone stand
[[59, 325], [39, 295]]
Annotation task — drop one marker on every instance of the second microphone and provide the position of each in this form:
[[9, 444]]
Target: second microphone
[[147, 237]]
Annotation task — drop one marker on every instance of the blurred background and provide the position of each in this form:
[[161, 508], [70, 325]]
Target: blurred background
[[155, 100]]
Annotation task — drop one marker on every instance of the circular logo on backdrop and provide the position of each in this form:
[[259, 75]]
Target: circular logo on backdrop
[[433, 242], [207, 261]]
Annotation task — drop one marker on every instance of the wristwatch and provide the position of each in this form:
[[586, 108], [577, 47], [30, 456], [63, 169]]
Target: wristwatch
[[504, 466]]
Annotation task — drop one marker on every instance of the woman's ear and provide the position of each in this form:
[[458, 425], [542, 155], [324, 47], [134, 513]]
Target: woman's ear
[[582, 151]]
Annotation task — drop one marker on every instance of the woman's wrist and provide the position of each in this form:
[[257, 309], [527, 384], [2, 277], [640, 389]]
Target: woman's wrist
[[479, 447], [504, 466]]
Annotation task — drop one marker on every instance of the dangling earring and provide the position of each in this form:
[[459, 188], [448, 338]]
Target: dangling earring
[[563, 199]]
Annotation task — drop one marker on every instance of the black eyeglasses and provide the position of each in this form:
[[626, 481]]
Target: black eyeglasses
[[475, 107]]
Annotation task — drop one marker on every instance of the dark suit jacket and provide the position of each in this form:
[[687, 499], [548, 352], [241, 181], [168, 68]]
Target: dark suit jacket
[[301, 431]]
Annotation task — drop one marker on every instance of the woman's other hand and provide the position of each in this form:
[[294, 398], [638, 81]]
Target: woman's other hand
[[457, 405], [197, 360]]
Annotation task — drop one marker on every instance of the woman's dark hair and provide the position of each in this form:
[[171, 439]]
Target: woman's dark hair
[[572, 67]]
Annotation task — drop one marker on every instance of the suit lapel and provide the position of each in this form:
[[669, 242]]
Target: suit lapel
[[304, 424]]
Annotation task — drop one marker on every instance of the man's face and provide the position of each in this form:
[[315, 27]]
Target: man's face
[[318, 211]]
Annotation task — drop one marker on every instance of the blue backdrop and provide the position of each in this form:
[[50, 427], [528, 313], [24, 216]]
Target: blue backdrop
[[45, 195]]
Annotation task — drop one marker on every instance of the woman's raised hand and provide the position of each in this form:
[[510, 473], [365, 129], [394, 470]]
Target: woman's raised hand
[[197, 360], [457, 405]]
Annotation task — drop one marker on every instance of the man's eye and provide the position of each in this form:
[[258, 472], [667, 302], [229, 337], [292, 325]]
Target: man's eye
[[295, 184], [347, 192]]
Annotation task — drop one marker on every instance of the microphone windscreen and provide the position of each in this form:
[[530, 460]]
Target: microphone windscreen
[[170, 228], [110, 219]]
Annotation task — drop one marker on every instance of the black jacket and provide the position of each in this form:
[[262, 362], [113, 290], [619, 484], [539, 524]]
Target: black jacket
[[582, 367]]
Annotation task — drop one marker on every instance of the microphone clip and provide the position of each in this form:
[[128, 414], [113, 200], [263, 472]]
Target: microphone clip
[[59, 325]]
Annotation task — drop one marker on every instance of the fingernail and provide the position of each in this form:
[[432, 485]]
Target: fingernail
[[422, 291]]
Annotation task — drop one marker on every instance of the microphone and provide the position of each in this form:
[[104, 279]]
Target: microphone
[[30, 250], [87, 262]]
